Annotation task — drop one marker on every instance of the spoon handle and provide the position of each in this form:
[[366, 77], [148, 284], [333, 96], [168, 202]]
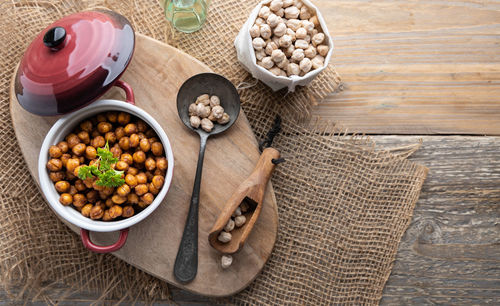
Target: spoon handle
[[186, 262]]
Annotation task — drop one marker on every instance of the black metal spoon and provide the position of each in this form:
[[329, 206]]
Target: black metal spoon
[[186, 262]]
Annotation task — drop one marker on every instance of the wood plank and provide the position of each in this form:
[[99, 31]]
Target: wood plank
[[415, 67], [451, 252]]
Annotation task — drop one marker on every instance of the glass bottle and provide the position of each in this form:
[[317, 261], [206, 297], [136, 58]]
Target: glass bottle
[[186, 15]]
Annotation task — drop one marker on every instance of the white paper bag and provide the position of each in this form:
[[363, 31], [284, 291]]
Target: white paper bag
[[246, 54]]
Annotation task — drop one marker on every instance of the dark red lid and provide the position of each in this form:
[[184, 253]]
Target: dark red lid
[[74, 61]]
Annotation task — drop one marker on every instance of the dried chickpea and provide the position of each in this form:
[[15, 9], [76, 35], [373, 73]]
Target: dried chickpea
[[104, 127], [54, 164], [121, 166], [86, 210], [128, 211], [112, 116], [55, 152], [98, 142], [141, 178], [116, 151], [141, 189], [79, 185], [96, 212], [157, 148], [144, 145], [110, 137], [150, 164], [118, 199], [90, 152], [79, 149], [119, 132], [124, 143], [158, 181], [106, 216], [62, 186], [72, 140], [139, 157], [115, 211], [86, 126], [72, 163], [56, 176], [123, 118], [153, 189], [92, 196], [132, 198], [130, 129], [134, 140], [148, 198], [132, 170], [123, 190], [66, 199], [130, 180], [79, 200]]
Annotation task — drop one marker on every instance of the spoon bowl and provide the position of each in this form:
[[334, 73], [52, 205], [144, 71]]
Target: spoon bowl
[[212, 84]]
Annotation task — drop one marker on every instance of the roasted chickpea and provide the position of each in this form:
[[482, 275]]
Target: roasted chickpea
[[121, 166], [118, 199], [92, 196], [97, 187], [54, 164], [79, 200], [81, 159], [132, 198], [95, 133], [139, 157], [79, 185], [104, 127], [150, 133], [124, 143], [132, 170], [144, 145], [62, 186], [116, 151], [72, 190], [55, 152], [106, 216], [150, 164], [119, 132], [98, 142], [138, 166], [86, 210], [148, 198], [56, 176], [127, 158], [157, 148], [94, 162], [88, 182], [158, 181], [142, 204], [72, 140], [134, 140], [96, 212], [149, 175], [130, 129], [141, 178], [109, 202], [102, 204], [141, 189], [90, 152], [110, 137], [128, 211], [79, 149], [66, 199], [64, 158], [123, 190], [86, 126], [63, 145], [141, 126], [72, 164], [161, 163], [77, 170], [112, 116], [101, 118], [130, 180], [153, 140], [123, 118], [84, 137], [70, 176], [108, 191], [115, 211], [153, 189]]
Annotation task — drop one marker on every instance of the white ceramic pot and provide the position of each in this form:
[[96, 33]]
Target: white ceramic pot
[[58, 132]]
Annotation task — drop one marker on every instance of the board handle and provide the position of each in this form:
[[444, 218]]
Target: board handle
[[107, 248], [129, 93]]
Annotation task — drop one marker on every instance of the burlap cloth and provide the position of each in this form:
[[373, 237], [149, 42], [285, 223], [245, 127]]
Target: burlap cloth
[[343, 205]]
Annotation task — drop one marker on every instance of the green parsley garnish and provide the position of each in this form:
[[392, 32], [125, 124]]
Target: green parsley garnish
[[106, 176]]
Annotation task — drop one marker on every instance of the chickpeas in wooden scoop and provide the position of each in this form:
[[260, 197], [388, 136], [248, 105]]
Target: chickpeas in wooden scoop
[[110, 167]]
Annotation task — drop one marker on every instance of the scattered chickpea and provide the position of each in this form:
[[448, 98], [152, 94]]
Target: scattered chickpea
[[226, 261]]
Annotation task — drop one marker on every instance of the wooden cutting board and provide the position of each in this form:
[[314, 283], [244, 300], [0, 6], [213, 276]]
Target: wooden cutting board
[[156, 73]]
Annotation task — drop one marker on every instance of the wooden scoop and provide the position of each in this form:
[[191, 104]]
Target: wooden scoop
[[251, 192]]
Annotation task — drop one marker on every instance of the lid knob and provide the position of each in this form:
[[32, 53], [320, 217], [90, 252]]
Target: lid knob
[[54, 38]]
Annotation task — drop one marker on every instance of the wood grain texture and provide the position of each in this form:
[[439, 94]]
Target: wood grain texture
[[415, 67], [152, 244], [451, 251]]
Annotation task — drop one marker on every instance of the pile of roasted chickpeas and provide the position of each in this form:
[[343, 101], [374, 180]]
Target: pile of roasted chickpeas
[[141, 158]]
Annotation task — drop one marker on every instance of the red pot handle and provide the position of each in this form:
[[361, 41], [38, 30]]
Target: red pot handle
[[103, 249], [129, 93]]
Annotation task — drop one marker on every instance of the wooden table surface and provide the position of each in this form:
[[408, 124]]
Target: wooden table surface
[[430, 69]]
